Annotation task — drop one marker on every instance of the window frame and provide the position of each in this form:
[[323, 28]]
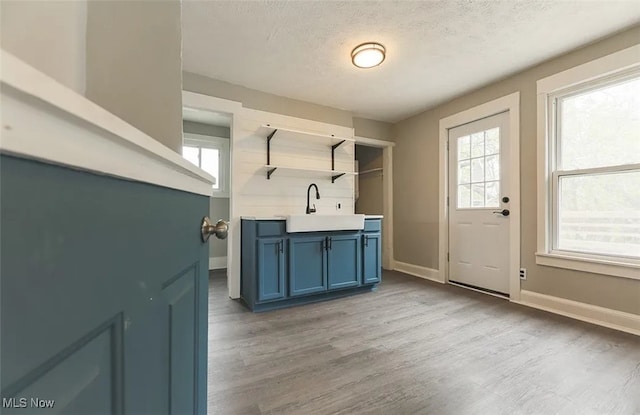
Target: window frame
[[609, 70], [222, 145]]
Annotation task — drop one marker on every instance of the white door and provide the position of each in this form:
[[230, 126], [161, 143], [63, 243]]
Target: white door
[[479, 203]]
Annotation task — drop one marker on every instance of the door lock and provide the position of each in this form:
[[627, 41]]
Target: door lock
[[503, 212], [505, 199]]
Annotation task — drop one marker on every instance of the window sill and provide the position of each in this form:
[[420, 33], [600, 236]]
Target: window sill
[[596, 266]]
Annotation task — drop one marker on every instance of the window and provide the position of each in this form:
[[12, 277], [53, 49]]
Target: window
[[211, 154], [479, 170], [592, 180]]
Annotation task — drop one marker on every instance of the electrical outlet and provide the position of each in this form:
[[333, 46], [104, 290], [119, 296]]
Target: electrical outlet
[[523, 273], [338, 206]]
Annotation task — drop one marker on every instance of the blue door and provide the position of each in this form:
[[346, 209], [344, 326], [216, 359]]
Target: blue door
[[103, 291], [271, 267], [343, 261], [307, 265], [372, 254]]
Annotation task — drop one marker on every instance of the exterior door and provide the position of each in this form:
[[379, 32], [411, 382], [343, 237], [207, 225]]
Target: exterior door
[[479, 204], [104, 294]]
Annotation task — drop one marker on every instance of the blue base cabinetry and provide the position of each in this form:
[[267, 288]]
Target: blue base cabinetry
[[282, 269]]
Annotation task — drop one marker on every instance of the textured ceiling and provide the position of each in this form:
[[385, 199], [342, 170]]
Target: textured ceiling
[[435, 49]]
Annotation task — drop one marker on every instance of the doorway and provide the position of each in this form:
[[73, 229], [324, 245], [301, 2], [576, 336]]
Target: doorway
[[206, 143], [369, 195], [479, 196]]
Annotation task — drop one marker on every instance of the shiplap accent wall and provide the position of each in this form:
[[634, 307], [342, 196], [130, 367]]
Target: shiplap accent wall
[[286, 193]]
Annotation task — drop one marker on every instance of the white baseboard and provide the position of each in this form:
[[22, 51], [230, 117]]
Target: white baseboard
[[418, 271], [217, 262], [614, 319]]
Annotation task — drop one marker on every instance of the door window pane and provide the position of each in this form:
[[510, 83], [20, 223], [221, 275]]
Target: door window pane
[[464, 196], [477, 195], [492, 168], [492, 194], [464, 172], [492, 141], [477, 144], [600, 127], [600, 214], [464, 148], [477, 170]]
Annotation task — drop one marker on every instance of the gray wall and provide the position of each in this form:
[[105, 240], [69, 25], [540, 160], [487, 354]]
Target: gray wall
[[48, 35], [218, 206], [262, 101], [134, 64], [370, 200], [416, 184], [373, 129]]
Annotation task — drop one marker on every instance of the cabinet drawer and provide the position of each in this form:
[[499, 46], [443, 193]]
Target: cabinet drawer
[[270, 228], [372, 225]]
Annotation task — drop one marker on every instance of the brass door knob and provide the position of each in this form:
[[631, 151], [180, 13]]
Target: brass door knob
[[220, 229]]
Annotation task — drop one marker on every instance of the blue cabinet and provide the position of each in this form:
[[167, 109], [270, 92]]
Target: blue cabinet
[[281, 269], [271, 269], [307, 265], [371, 255], [343, 258]]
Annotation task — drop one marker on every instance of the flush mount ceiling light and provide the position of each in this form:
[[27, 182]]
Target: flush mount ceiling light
[[368, 55]]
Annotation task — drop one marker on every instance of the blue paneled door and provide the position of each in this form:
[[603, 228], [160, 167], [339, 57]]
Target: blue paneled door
[[103, 293], [372, 253], [271, 269], [343, 260], [307, 265]]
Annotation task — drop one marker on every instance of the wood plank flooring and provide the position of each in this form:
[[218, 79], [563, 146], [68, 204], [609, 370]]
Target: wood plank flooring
[[415, 347]]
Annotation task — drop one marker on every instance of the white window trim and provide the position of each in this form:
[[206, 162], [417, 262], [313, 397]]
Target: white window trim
[[619, 62], [222, 145]]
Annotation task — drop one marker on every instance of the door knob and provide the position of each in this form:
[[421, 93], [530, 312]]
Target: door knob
[[220, 229], [503, 212]]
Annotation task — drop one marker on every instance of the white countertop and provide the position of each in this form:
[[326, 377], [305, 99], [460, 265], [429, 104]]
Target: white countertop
[[285, 218], [44, 120]]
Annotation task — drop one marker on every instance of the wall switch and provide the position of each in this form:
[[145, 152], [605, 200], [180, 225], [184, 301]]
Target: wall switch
[[523, 273], [338, 206]]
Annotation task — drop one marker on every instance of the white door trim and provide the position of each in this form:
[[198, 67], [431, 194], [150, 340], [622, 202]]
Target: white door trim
[[387, 196], [509, 103], [233, 108]]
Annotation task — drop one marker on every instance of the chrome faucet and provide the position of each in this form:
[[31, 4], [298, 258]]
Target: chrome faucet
[[312, 209]]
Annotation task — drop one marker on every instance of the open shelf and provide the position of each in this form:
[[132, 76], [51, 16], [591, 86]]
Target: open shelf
[[333, 174], [332, 141], [306, 135]]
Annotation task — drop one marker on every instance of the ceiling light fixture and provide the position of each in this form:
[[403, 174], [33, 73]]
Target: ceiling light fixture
[[368, 55]]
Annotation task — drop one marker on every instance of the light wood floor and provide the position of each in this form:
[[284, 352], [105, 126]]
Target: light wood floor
[[415, 347]]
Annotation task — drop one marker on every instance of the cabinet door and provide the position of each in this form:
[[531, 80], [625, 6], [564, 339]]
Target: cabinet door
[[307, 265], [372, 270], [270, 269], [344, 261]]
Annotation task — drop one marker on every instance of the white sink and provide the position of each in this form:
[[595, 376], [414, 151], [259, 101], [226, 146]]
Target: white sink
[[312, 223]]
